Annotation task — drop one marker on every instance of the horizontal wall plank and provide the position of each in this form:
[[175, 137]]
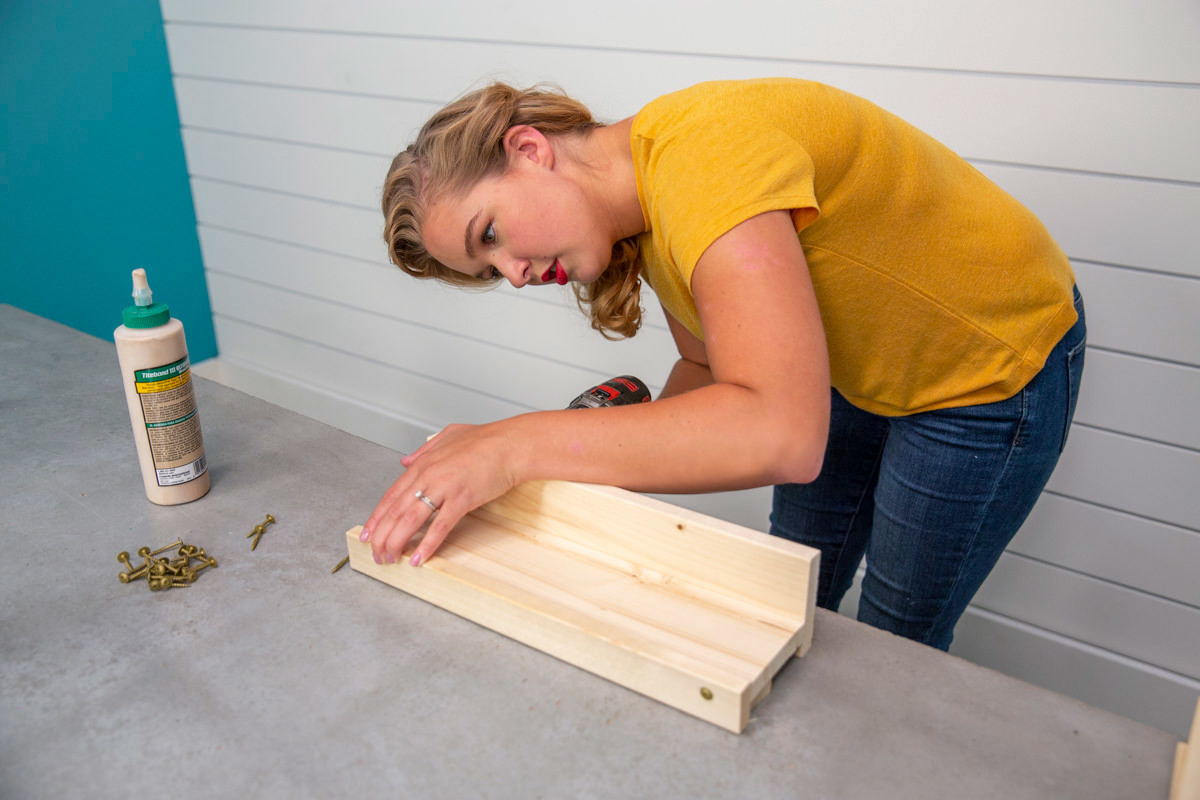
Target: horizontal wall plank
[[1159, 632], [422, 401], [1140, 312], [1113, 546], [1145, 478], [1124, 686], [318, 172], [379, 125], [1152, 42], [517, 320], [515, 377], [332, 227], [1111, 220], [1151, 399], [1067, 124]]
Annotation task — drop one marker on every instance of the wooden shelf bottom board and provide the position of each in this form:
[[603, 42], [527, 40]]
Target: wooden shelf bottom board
[[689, 645]]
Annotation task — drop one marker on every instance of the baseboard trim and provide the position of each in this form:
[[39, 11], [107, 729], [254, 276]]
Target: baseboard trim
[[367, 421]]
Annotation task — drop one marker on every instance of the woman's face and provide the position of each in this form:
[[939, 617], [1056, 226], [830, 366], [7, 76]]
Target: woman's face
[[532, 224]]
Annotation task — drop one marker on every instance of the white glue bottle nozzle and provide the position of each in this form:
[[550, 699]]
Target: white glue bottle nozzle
[[141, 289]]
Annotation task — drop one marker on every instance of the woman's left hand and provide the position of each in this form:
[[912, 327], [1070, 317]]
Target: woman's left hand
[[458, 470]]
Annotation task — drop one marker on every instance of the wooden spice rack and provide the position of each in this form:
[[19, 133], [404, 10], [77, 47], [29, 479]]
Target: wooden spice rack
[[692, 611]]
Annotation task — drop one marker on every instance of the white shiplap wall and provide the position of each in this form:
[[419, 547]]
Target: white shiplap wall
[[292, 109]]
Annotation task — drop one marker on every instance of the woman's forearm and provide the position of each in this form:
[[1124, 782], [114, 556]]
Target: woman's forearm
[[714, 437]]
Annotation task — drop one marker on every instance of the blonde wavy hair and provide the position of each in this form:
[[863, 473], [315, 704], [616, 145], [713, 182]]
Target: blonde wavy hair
[[464, 143]]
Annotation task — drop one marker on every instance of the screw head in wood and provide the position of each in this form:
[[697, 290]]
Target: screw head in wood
[[706, 693]]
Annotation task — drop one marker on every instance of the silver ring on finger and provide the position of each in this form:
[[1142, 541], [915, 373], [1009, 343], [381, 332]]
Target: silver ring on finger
[[421, 496]]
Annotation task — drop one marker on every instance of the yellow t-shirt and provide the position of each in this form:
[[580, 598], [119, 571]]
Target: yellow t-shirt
[[936, 288]]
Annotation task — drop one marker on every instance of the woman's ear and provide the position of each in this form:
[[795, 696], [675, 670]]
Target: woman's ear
[[527, 143]]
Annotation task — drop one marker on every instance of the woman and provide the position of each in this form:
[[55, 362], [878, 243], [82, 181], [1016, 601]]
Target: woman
[[863, 320]]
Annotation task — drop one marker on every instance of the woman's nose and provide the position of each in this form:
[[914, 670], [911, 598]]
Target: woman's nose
[[518, 271]]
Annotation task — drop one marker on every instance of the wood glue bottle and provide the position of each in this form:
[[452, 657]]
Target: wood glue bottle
[[157, 375]]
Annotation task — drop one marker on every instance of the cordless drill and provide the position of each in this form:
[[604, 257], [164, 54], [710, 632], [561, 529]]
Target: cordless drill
[[624, 390]]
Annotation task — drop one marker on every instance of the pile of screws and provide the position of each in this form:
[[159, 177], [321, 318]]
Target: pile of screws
[[167, 573]]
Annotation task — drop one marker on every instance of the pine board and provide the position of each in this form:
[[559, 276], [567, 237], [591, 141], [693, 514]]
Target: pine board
[[689, 610], [1185, 779]]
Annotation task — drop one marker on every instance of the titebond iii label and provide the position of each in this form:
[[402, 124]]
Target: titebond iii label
[[172, 427]]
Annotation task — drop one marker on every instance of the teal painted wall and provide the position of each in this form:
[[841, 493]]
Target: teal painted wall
[[93, 181]]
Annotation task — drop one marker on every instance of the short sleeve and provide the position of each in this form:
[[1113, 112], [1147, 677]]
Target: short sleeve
[[709, 175]]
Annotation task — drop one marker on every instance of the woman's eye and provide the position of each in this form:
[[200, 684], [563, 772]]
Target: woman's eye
[[489, 234], [491, 274]]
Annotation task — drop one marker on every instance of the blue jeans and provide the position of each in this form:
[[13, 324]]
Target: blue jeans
[[931, 499]]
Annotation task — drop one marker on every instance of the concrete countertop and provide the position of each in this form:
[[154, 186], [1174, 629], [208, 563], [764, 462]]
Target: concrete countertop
[[270, 677]]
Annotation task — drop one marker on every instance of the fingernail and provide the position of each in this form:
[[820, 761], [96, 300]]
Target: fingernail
[[366, 534], [375, 556], [416, 560]]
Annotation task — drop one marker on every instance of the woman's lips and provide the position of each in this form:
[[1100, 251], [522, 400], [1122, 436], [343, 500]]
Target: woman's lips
[[557, 272]]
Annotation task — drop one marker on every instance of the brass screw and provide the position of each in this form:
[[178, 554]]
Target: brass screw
[[161, 565], [191, 551], [167, 582], [259, 530], [126, 577], [146, 552], [706, 693], [192, 573], [184, 562], [206, 563], [133, 574], [340, 564], [268, 521]]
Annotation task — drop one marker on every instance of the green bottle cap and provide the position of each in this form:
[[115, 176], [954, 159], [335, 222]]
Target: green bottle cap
[[150, 316], [144, 313]]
